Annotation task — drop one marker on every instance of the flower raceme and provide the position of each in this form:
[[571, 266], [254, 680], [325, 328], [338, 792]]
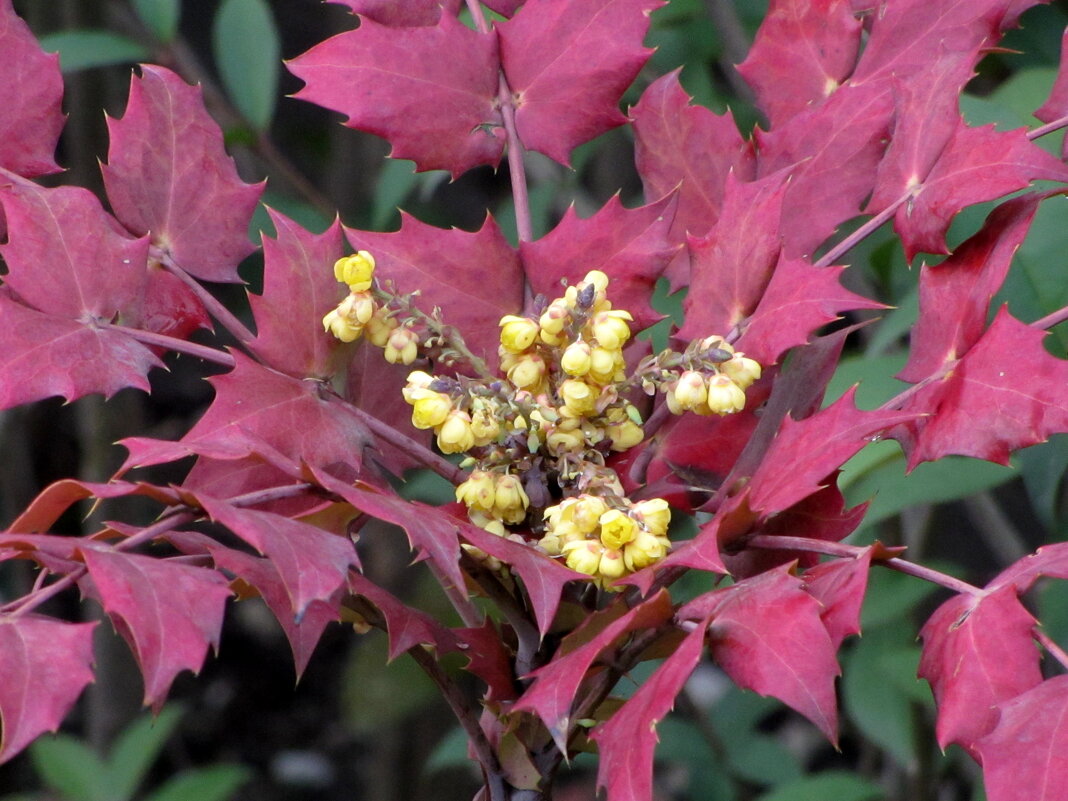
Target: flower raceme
[[545, 430]]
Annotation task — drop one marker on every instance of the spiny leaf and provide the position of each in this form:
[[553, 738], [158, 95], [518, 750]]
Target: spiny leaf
[[409, 13], [839, 586], [408, 628], [431, 91]]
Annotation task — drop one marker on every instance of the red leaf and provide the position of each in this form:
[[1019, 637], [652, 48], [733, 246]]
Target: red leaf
[[627, 740], [977, 165], [805, 452], [955, 295], [1004, 394], [170, 306], [46, 664], [408, 628], [298, 289], [839, 586], [168, 175], [731, 266], [768, 636], [678, 146], [568, 63], [1056, 105], [1025, 757], [255, 405], [169, 613], [373, 386], [555, 684], [30, 95], [1049, 560], [978, 652], [803, 50], [304, 632], [834, 149], [475, 278], [403, 14], [431, 91], [631, 246], [799, 299], [42, 355], [66, 256], [312, 563], [488, 658], [59, 496]]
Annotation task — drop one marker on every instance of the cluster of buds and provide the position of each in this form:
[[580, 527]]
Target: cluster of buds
[[360, 312], [607, 537], [708, 378]]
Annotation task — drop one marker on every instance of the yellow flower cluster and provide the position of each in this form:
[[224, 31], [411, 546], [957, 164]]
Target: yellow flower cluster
[[359, 312], [457, 430], [721, 392], [607, 542], [494, 498]]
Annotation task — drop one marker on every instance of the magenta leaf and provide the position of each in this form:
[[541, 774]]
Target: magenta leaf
[[409, 13], [955, 295], [803, 51], [170, 306], [431, 91], [627, 741], [30, 95], [408, 628], [169, 613], [1056, 105], [839, 586], [631, 246], [568, 62], [1025, 756], [168, 176], [1049, 560], [312, 563], [1004, 394], [373, 386], [298, 289], [767, 634], [488, 658], [978, 652], [475, 278], [555, 684], [46, 664], [799, 299]]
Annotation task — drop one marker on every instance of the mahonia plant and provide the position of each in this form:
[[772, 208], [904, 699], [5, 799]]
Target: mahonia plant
[[578, 445]]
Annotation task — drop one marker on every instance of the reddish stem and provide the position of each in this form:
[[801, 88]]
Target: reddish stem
[[1055, 650], [216, 309], [1048, 128], [1051, 320], [204, 352], [862, 233]]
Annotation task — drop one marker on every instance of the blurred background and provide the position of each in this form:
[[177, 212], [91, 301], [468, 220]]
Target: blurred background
[[353, 729]]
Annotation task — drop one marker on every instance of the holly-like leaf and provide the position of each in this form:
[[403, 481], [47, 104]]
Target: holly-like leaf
[[978, 652], [839, 586], [431, 91], [31, 96], [767, 635], [731, 266], [568, 62], [42, 356], [805, 452], [978, 164], [374, 386], [408, 628], [474, 278], [689, 150], [627, 740], [312, 563], [555, 684], [1023, 757], [169, 613], [1049, 560], [803, 51], [409, 13], [1002, 395], [168, 176], [489, 659], [799, 299], [298, 289], [631, 246], [46, 664], [955, 295], [170, 306], [1056, 105]]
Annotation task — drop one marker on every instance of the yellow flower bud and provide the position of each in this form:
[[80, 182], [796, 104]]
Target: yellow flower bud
[[485, 426], [597, 278], [583, 556], [337, 325], [588, 512], [527, 372], [691, 390], [429, 408], [724, 396], [579, 398], [644, 550], [355, 270], [455, 434], [624, 435], [612, 565], [562, 441], [510, 500], [610, 328], [380, 326], [716, 343], [357, 308], [560, 513], [418, 379], [402, 346], [517, 333], [742, 370], [478, 491], [654, 514], [617, 529], [555, 318], [576, 359]]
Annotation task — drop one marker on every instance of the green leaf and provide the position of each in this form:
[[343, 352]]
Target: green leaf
[[80, 50], [216, 783], [890, 597], [134, 752], [71, 768], [1043, 468], [247, 51], [839, 785], [159, 16]]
